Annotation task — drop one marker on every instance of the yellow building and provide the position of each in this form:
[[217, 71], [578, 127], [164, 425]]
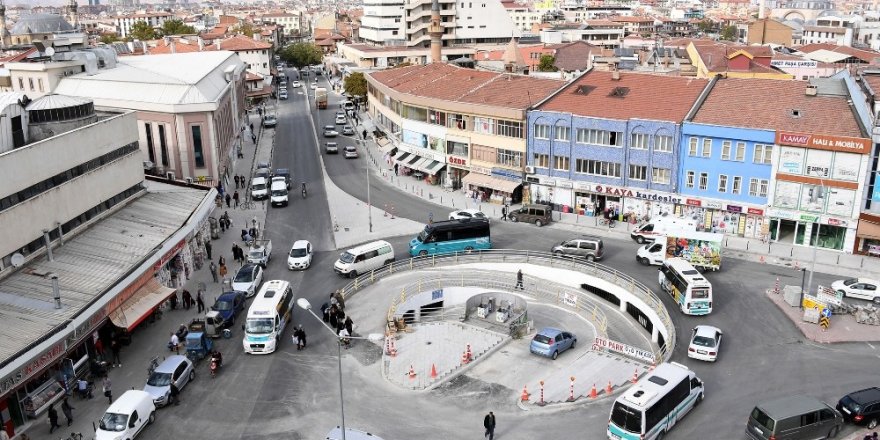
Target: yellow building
[[733, 61]]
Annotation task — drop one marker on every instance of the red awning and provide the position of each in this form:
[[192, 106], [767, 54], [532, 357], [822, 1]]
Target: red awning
[[140, 305]]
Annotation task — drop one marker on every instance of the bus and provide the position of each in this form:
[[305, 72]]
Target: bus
[[650, 408], [687, 286], [266, 318], [452, 236]]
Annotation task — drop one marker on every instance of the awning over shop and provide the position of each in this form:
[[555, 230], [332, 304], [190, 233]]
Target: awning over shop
[[412, 160], [430, 166], [485, 181], [140, 305], [868, 230], [384, 145], [401, 157]]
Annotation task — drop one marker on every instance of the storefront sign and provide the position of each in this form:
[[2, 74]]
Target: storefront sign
[[638, 194], [734, 209], [481, 170], [33, 367], [424, 152], [628, 350], [169, 255], [417, 139], [794, 64], [791, 160], [823, 142], [713, 205], [836, 222], [809, 218], [755, 211], [455, 160], [693, 202], [507, 174], [87, 326]]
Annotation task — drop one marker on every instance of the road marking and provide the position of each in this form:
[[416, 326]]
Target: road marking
[[869, 345]]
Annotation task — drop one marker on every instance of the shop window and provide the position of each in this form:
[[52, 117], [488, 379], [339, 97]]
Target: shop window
[[737, 185], [707, 148], [722, 183], [561, 163], [542, 131], [638, 141], [542, 160], [638, 172], [692, 147], [725, 150], [663, 144], [704, 181], [689, 181], [763, 153], [660, 176]]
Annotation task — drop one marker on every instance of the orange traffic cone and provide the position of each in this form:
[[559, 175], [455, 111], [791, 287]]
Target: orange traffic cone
[[393, 348], [464, 359], [635, 376], [412, 372], [593, 392], [525, 395], [433, 371], [608, 388], [470, 355]]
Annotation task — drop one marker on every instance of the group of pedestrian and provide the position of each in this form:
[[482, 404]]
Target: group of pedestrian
[[334, 315], [225, 222], [66, 408], [299, 338], [240, 182], [237, 254], [233, 198]]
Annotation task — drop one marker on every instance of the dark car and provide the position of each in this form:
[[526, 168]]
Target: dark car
[[285, 173], [228, 305], [861, 407]]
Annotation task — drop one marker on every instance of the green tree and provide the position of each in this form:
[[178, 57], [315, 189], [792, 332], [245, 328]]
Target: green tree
[[247, 29], [143, 31], [706, 26], [301, 54], [176, 27], [547, 63], [729, 33], [355, 84], [109, 38]]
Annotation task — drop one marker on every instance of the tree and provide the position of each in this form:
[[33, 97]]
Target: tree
[[729, 33], [547, 63], [142, 31], [705, 26], [301, 54], [247, 29], [176, 27], [109, 38], [355, 84]]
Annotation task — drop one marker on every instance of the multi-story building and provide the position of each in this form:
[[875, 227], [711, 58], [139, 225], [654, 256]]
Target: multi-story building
[[608, 140], [293, 22], [470, 122], [868, 231], [711, 59], [383, 23], [828, 34], [154, 19], [603, 33], [770, 31], [637, 25]]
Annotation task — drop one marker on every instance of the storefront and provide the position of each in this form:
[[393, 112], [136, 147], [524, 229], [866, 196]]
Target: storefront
[[725, 218], [456, 169], [482, 185], [868, 235], [420, 163], [800, 229]]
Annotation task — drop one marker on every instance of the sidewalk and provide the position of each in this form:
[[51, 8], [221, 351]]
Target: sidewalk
[[149, 339]]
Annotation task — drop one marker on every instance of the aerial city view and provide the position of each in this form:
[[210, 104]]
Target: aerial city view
[[433, 219]]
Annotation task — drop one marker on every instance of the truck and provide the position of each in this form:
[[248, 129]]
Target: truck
[[701, 249], [321, 97], [660, 226], [260, 252]]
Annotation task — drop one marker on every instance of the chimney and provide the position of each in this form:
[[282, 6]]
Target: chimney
[[56, 291], [811, 90], [615, 74], [48, 242]]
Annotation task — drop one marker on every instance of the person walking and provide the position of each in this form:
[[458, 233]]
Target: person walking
[[228, 200], [348, 325], [116, 347], [187, 299], [175, 394], [200, 303], [235, 198], [489, 424], [252, 126], [236, 252], [235, 178], [208, 249], [519, 280], [254, 138], [53, 418], [504, 212], [67, 410], [106, 386], [222, 224], [213, 268], [223, 270], [243, 182]]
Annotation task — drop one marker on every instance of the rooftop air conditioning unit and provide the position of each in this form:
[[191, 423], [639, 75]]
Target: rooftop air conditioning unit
[[189, 180], [169, 175], [530, 169]]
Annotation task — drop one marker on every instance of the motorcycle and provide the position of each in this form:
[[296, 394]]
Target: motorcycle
[[215, 365], [304, 192]]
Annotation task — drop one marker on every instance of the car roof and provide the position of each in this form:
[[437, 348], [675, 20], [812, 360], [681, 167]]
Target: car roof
[[299, 244], [282, 170], [258, 180], [229, 295], [129, 400], [350, 147], [865, 396], [170, 364], [706, 330], [785, 407], [249, 267], [549, 331]]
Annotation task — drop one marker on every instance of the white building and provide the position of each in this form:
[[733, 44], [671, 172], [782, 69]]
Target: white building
[[292, 21], [523, 16], [382, 23], [154, 19]]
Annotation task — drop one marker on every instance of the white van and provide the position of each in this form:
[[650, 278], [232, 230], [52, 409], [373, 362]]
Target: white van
[[259, 188], [364, 258], [278, 194], [127, 416], [661, 226]]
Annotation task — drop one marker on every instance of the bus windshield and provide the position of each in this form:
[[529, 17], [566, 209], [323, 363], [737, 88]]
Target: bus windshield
[[260, 326], [626, 418]]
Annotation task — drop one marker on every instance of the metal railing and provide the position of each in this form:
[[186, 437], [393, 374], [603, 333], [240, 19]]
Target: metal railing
[[637, 289]]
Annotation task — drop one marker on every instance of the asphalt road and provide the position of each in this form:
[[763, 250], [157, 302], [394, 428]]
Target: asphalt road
[[294, 395]]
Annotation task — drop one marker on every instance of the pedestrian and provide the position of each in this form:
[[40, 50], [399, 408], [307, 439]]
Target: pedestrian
[[228, 200], [53, 418], [325, 312], [208, 248], [213, 268], [333, 321], [108, 391], [222, 224], [235, 198], [365, 134], [223, 270], [67, 410], [173, 301], [252, 125], [235, 178], [116, 347], [99, 348], [221, 261], [174, 343], [349, 324], [519, 280], [340, 301], [187, 299], [235, 250], [489, 424], [200, 303], [302, 337], [254, 138], [175, 394], [218, 201], [504, 212], [243, 182]]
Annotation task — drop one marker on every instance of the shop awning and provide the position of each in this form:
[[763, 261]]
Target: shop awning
[[420, 164], [140, 305], [868, 230], [485, 181], [430, 166], [401, 157], [385, 145]]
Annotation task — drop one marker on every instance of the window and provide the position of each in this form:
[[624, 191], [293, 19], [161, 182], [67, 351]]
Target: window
[[692, 146], [639, 141], [722, 183], [40, 83], [663, 144], [162, 145], [763, 153], [563, 133], [457, 148], [753, 187], [510, 158], [707, 147], [638, 172], [148, 128], [198, 152], [542, 131], [660, 176], [456, 121], [560, 163], [690, 179], [21, 84], [31, 83], [763, 184], [740, 151], [542, 160], [484, 125], [704, 181], [509, 128], [737, 185], [599, 137], [598, 168], [436, 117], [725, 150]]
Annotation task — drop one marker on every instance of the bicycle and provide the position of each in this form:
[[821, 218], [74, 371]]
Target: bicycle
[[607, 222], [247, 204]]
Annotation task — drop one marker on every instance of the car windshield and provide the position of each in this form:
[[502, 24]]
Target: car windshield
[[763, 419], [222, 306], [256, 254], [703, 341], [626, 418], [328, 127], [159, 379], [259, 325], [245, 275], [113, 422], [259, 186], [350, 149], [544, 339], [850, 281], [346, 257], [279, 192], [479, 215], [298, 252], [423, 236]]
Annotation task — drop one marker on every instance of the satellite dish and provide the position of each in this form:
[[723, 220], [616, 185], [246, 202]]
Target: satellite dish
[[17, 259], [50, 51]]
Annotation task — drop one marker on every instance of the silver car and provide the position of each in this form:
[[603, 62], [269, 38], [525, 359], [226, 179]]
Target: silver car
[[589, 247], [175, 369]]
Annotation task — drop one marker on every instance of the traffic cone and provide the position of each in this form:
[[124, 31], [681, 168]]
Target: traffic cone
[[608, 388], [412, 372], [433, 371], [467, 352], [524, 397], [593, 392], [464, 359], [635, 376]]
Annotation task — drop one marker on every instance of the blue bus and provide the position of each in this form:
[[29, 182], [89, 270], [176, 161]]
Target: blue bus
[[452, 236]]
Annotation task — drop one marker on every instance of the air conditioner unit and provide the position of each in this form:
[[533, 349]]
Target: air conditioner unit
[[169, 175], [530, 169], [189, 180]]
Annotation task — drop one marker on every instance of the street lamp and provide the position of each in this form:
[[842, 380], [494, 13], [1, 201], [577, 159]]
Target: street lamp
[[306, 305], [818, 228]]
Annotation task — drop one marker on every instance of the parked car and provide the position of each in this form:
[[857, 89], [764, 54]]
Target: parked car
[[127, 416], [330, 131], [351, 152], [228, 305], [862, 288], [248, 279], [340, 113], [705, 343], [588, 246], [466, 214], [282, 172], [347, 130], [313, 85], [260, 252], [540, 215], [340, 120], [549, 342], [176, 369], [295, 84], [331, 148], [282, 95], [300, 256], [793, 418], [263, 172], [259, 188], [269, 121], [263, 164], [861, 407]]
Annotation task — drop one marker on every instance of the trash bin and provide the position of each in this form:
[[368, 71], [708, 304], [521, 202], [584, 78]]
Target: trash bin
[[227, 333]]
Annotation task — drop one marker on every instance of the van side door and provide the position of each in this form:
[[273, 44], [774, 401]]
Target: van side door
[[810, 425]]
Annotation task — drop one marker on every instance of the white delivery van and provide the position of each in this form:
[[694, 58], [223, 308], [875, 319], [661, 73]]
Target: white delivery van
[[662, 225], [278, 194], [259, 188], [127, 416], [364, 258]]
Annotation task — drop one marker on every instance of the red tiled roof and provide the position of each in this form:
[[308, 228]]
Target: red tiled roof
[[253, 77], [456, 84], [326, 42], [240, 42], [867, 56], [525, 52], [180, 48], [265, 91], [830, 115], [634, 95], [632, 19], [873, 82], [18, 56], [716, 57], [574, 56]]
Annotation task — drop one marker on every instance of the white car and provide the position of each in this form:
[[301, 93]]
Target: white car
[[862, 288], [350, 152], [295, 84], [300, 256], [340, 120], [248, 279], [705, 343], [283, 94], [314, 85], [466, 214]]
